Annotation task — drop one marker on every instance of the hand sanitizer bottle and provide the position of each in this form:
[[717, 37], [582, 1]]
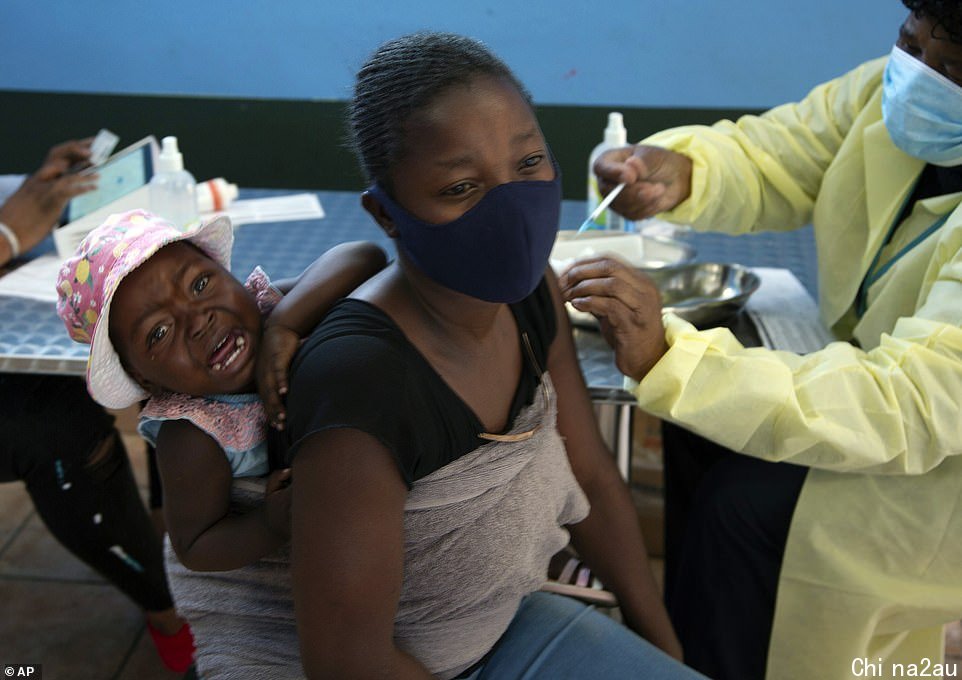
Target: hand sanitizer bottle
[[173, 189], [615, 136]]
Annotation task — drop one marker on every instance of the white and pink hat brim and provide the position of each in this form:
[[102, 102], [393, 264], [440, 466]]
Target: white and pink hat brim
[[87, 282]]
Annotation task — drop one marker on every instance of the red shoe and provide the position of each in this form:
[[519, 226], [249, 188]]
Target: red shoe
[[177, 650]]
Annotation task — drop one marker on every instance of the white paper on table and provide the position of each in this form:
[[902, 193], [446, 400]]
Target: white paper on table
[[36, 279], [275, 209], [785, 314]]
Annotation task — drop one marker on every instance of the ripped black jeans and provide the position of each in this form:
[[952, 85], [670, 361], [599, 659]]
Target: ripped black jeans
[[65, 448]]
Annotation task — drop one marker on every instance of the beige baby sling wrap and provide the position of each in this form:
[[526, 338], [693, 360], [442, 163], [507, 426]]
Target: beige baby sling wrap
[[479, 533]]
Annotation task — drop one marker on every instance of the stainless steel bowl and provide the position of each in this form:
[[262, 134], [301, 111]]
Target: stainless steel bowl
[[703, 293], [706, 293]]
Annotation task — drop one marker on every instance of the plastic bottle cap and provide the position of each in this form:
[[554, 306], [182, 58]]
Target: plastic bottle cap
[[615, 133], [170, 159]]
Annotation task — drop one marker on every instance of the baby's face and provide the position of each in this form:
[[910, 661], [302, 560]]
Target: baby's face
[[182, 323]]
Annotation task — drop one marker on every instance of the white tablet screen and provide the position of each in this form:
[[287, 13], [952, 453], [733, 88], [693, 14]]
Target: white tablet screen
[[120, 174]]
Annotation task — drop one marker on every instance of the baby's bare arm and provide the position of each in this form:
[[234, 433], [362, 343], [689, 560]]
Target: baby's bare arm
[[307, 299], [196, 479]]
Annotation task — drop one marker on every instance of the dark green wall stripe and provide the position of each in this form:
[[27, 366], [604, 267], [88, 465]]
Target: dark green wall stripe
[[275, 142]]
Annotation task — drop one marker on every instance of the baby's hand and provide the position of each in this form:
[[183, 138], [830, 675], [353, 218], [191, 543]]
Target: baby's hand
[[277, 502], [278, 345]]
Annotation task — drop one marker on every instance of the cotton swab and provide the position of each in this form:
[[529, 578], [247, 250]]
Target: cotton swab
[[590, 222]]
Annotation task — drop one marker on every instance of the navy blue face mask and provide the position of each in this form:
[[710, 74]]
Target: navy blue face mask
[[497, 251]]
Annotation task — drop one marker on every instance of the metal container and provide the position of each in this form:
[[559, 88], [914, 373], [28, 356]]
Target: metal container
[[650, 254], [706, 293]]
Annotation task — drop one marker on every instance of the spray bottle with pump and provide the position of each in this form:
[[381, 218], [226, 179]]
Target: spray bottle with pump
[[173, 189], [615, 136]]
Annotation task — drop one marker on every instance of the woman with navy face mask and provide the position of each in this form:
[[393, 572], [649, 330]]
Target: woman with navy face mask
[[819, 498], [442, 438]]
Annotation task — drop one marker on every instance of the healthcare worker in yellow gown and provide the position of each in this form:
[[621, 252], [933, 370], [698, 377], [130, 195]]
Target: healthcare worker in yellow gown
[[865, 434]]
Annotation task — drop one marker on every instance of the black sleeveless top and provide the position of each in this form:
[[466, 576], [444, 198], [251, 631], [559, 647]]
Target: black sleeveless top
[[358, 370]]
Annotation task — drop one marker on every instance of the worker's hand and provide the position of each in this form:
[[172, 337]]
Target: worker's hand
[[35, 208], [656, 179], [627, 305], [277, 347], [74, 154]]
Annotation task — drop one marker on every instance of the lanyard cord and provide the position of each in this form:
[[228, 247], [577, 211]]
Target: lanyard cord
[[862, 293], [932, 181], [872, 276]]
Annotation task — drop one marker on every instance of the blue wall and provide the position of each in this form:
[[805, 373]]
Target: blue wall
[[635, 53]]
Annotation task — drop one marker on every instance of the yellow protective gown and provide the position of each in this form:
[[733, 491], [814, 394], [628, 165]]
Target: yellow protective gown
[[873, 564]]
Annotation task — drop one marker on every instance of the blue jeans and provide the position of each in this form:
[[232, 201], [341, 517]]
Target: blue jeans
[[555, 637]]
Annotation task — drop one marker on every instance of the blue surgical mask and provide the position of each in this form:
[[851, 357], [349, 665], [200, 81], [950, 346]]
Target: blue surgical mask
[[922, 110], [497, 251]]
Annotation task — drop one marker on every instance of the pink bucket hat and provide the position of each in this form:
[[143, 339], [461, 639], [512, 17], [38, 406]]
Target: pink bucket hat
[[88, 280]]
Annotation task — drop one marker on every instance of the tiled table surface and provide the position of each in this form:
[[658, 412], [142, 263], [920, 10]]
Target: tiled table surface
[[32, 338]]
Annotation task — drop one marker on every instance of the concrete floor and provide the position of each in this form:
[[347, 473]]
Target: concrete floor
[[59, 613]]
